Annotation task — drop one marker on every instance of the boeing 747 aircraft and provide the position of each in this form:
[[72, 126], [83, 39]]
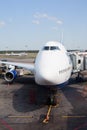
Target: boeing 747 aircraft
[[52, 66]]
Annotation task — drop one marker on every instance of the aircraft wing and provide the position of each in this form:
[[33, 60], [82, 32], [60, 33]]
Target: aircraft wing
[[27, 66]]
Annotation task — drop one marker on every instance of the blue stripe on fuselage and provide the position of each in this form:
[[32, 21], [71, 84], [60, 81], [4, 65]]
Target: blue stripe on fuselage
[[62, 84]]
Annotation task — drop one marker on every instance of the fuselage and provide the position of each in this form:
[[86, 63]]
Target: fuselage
[[52, 65]]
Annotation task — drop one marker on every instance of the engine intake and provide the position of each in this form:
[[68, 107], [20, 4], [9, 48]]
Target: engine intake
[[10, 75]]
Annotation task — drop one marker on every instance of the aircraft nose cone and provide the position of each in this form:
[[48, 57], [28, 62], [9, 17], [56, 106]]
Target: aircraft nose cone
[[46, 77]]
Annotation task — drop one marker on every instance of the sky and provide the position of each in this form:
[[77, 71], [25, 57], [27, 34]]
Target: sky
[[29, 24]]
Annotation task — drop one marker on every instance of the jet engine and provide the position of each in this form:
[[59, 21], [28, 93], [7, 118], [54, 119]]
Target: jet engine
[[10, 76]]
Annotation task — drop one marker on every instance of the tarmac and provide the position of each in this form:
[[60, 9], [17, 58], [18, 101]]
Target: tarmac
[[23, 106]]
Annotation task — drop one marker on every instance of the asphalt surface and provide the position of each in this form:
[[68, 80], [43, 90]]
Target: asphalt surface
[[23, 106]]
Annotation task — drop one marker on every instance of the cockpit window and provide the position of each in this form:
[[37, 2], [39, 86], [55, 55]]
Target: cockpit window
[[46, 48], [54, 48], [51, 48]]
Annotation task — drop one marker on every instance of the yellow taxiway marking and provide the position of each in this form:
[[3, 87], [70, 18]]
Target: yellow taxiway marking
[[74, 116], [20, 116]]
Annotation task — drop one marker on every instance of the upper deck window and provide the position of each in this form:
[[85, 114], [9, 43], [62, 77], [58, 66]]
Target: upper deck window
[[51, 48]]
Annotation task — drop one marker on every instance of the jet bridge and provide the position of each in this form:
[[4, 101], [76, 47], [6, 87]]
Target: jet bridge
[[79, 62]]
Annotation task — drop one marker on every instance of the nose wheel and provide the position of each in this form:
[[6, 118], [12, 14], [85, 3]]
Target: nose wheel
[[53, 98]]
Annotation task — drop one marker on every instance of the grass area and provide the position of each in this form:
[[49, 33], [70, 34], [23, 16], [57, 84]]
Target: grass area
[[28, 56]]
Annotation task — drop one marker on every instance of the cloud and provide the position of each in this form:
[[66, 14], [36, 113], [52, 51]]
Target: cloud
[[36, 22], [59, 22], [2, 24], [46, 16], [55, 28], [39, 16]]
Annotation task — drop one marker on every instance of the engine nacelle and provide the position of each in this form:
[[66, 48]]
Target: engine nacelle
[[10, 75]]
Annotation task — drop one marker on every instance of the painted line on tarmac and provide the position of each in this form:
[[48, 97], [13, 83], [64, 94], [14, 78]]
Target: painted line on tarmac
[[74, 116], [81, 127], [4, 123], [20, 116]]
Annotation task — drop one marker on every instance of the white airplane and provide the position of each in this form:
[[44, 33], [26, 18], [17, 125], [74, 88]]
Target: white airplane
[[52, 66]]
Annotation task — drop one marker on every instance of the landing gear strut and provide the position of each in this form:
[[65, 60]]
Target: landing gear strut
[[53, 98]]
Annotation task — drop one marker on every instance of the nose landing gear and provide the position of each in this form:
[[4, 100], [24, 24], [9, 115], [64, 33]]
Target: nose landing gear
[[53, 98], [52, 101]]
